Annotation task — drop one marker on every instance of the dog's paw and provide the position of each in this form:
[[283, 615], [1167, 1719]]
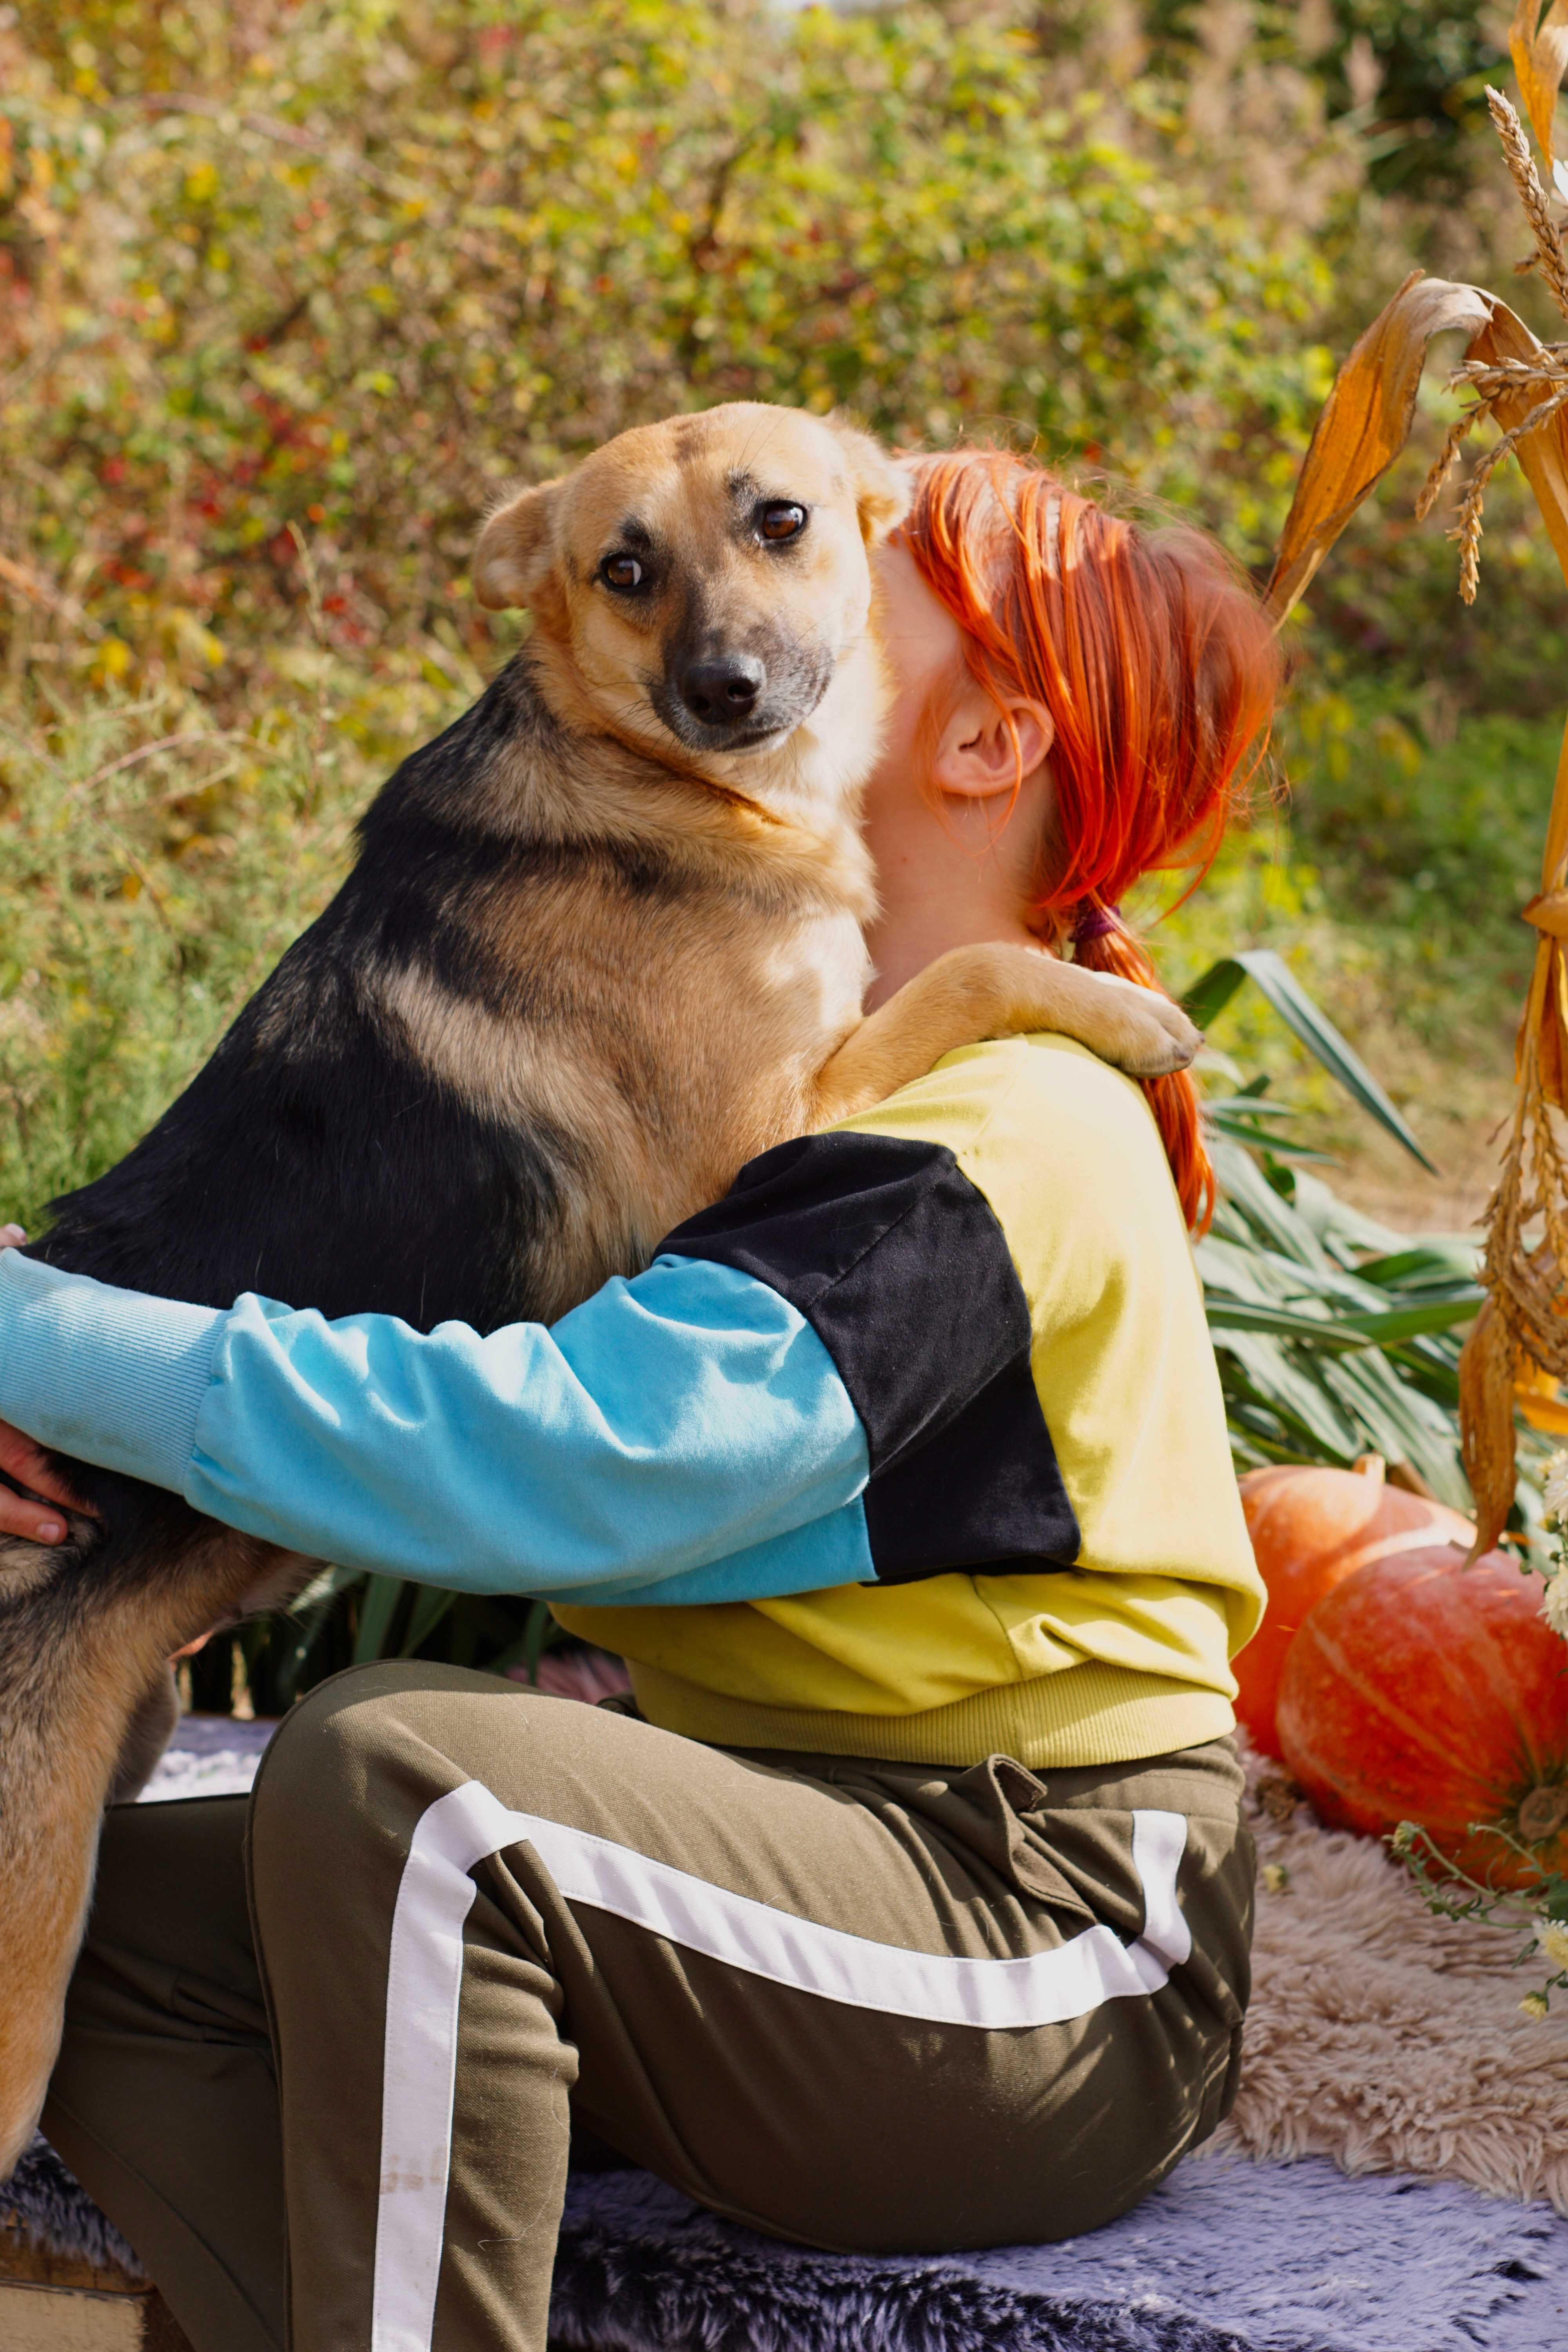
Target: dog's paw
[[1165, 1041], [1144, 1034]]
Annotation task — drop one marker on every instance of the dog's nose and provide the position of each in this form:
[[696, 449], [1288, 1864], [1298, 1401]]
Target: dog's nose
[[723, 690]]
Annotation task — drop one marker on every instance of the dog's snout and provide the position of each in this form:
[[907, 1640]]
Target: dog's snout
[[729, 692], [724, 690]]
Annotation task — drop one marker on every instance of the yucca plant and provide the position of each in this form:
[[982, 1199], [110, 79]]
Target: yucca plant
[[1336, 1336]]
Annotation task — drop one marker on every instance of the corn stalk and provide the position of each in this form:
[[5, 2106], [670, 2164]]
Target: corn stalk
[[1517, 1351]]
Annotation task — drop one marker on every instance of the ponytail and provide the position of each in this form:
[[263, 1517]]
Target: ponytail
[[1101, 942], [1155, 657]]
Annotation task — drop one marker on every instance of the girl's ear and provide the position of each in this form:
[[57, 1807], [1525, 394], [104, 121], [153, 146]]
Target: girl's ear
[[977, 756]]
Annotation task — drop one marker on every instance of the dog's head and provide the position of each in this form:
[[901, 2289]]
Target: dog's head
[[701, 587]]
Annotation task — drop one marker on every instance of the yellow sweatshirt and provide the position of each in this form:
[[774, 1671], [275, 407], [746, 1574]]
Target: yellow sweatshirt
[[995, 1260]]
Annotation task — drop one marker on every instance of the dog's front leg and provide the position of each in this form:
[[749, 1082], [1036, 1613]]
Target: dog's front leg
[[994, 989], [152, 1726]]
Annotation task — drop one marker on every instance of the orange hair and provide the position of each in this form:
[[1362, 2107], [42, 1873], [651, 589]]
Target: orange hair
[[1153, 654]]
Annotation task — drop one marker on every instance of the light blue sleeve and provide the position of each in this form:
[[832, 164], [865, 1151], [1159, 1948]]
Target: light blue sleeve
[[683, 1436]]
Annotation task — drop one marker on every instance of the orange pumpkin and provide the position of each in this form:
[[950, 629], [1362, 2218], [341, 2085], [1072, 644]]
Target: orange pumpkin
[[1422, 1690], [1311, 1528]]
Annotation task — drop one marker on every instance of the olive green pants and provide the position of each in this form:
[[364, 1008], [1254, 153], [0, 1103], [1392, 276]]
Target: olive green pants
[[861, 2005]]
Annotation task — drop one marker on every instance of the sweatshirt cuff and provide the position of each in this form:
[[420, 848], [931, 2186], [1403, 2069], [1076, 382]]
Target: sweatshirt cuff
[[113, 1377]]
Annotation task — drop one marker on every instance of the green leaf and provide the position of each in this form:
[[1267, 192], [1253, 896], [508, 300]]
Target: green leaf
[[1399, 1323], [1397, 1421], [1246, 1188], [1316, 1330], [1351, 1330], [1267, 1372], [1426, 1264], [541, 1633], [382, 1595], [1208, 996], [431, 1603], [1272, 975]]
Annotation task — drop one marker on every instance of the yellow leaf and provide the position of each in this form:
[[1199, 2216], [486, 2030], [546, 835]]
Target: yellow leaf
[[1548, 1414], [1366, 422], [1539, 59]]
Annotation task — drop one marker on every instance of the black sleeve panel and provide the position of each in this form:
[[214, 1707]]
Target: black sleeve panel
[[898, 1263]]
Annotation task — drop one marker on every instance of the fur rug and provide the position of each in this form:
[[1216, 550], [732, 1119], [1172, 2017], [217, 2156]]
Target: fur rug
[[1383, 2038], [47, 2205], [1228, 2256]]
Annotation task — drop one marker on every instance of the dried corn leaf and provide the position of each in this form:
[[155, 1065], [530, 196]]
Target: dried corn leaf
[[1548, 910], [1538, 46], [1554, 857], [1366, 422], [1486, 1371], [1551, 1046], [1543, 454]]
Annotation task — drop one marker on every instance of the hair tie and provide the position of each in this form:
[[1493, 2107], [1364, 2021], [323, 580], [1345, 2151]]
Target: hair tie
[[1093, 922]]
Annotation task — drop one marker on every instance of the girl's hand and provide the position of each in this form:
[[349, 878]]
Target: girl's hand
[[36, 1522], [40, 1522]]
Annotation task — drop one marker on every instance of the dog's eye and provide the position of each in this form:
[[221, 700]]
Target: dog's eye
[[621, 571], [782, 521]]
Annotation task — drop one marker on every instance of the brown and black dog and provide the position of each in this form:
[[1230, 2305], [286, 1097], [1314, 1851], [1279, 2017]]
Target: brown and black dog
[[601, 946]]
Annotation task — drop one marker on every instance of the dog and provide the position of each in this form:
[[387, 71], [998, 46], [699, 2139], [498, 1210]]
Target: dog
[[600, 947]]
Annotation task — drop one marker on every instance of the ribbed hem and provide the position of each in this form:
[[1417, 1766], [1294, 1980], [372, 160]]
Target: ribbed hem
[[1092, 1713], [111, 1376]]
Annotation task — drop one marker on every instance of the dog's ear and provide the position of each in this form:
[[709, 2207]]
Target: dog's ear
[[881, 490], [511, 560]]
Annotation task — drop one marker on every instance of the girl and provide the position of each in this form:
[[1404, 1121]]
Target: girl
[[907, 1904]]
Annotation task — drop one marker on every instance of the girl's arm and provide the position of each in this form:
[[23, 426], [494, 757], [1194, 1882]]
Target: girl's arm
[[668, 1423], [824, 1379]]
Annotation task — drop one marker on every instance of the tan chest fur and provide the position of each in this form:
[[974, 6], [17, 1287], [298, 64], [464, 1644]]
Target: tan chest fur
[[677, 969]]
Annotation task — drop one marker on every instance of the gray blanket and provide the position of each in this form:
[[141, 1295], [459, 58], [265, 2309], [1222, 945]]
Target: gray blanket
[[1229, 2256]]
